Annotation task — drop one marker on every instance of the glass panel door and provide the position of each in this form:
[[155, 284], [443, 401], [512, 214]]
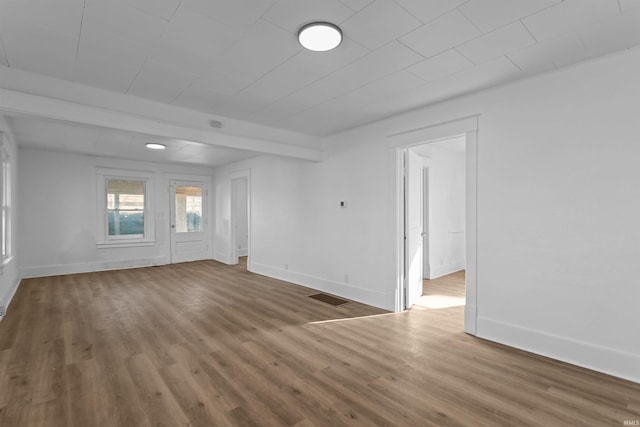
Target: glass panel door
[[188, 212]]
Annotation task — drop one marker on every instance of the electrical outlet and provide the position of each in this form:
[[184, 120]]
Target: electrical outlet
[[286, 266], [346, 278]]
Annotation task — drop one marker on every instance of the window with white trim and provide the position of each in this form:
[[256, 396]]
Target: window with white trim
[[125, 208], [5, 187]]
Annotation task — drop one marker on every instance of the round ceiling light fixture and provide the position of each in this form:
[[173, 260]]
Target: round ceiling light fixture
[[154, 146], [320, 36]]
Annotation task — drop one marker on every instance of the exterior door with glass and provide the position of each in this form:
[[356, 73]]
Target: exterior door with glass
[[189, 221]]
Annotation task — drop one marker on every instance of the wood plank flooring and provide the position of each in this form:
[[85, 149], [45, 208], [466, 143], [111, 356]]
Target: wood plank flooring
[[204, 344]]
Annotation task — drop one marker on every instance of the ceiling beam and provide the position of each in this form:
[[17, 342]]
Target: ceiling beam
[[51, 108]]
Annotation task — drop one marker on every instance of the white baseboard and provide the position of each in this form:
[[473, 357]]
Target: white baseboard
[[222, 257], [443, 270], [87, 267], [365, 296], [9, 294], [609, 361]]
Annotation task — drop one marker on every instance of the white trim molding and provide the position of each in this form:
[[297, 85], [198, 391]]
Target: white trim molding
[[88, 267], [590, 356], [365, 296], [400, 141]]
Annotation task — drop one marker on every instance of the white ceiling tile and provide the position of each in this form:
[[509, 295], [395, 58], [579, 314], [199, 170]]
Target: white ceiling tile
[[444, 64], [111, 48], [39, 50], [629, 5], [427, 11], [319, 121], [549, 54], [379, 23], [356, 5], [61, 17], [491, 14], [569, 16], [226, 84], [120, 19], [450, 30], [294, 74], [497, 43], [234, 13], [379, 63], [612, 34], [201, 100], [191, 42], [433, 92], [199, 34], [260, 50], [163, 9], [631, 24], [160, 82], [489, 74], [244, 104], [274, 113], [332, 60], [380, 89], [99, 71], [293, 14]]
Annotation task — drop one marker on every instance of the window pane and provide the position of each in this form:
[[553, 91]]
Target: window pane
[[125, 223], [188, 209], [125, 207]]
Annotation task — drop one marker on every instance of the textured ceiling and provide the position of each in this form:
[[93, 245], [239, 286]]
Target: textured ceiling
[[241, 59]]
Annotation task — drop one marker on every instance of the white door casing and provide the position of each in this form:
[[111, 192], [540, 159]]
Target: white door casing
[[414, 218]]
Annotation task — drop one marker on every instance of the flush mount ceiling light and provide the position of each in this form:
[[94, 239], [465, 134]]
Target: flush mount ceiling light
[[154, 146], [320, 36]]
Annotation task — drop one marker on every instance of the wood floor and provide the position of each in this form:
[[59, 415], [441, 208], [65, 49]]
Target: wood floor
[[203, 344]]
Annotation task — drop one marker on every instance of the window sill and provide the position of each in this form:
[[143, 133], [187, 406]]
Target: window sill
[[108, 245]]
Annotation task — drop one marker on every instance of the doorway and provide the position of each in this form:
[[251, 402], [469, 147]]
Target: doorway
[[411, 187], [240, 224], [189, 220]]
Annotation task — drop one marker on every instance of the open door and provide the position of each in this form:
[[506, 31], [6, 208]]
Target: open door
[[413, 227], [189, 221], [426, 267]]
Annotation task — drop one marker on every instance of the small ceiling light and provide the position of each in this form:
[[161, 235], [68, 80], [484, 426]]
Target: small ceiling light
[[154, 146], [320, 36]]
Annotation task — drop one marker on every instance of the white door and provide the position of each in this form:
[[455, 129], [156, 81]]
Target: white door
[[189, 221], [425, 224], [413, 227]]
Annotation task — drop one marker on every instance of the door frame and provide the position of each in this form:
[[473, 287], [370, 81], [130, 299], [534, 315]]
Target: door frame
[[426, 231], [399, 143], [207, 209], [232, 222]]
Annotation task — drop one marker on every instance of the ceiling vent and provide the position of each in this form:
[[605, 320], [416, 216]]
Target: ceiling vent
[[215, 124]]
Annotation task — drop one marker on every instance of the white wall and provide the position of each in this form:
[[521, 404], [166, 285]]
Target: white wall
[[446, 228], [558, 208], [58, 212], [9, 277], [300, 233]]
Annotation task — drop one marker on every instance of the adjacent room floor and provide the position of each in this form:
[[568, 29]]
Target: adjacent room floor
[[204, 344]]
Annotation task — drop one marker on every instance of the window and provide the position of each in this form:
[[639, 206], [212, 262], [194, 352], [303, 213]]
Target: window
[[5, 187], [124, 208], [188, 209]]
